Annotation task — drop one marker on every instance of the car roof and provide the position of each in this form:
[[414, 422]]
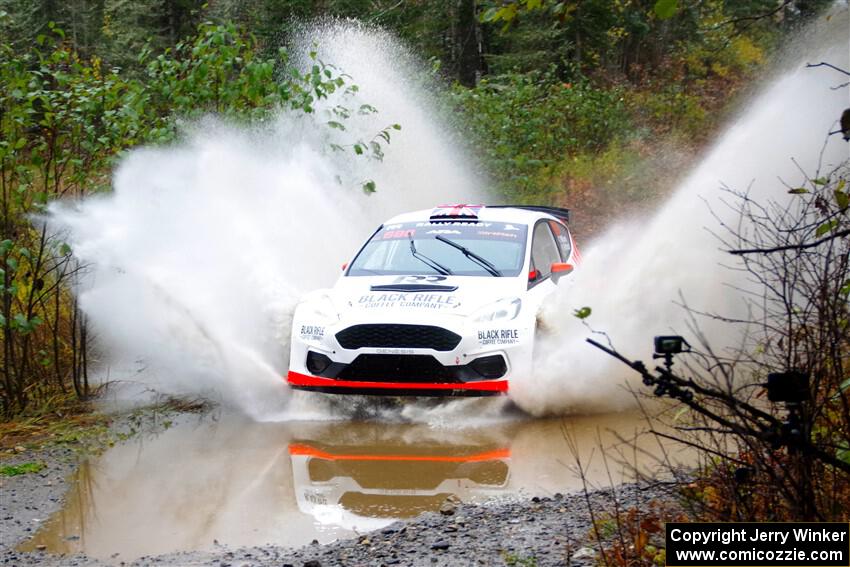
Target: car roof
[[494, 214]]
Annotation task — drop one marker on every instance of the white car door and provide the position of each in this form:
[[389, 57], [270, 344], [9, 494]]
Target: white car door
[[544, 253]]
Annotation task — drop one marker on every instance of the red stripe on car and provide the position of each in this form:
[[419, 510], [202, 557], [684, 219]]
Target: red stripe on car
[[298, 379]]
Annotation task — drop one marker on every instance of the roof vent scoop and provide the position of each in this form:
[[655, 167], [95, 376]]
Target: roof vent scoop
[[456, 213]]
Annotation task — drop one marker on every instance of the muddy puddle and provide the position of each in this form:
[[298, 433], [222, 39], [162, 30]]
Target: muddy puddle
[[221, 479]]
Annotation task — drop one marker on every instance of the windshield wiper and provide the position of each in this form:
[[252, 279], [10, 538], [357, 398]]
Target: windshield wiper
[[426, 260], [483, 262]]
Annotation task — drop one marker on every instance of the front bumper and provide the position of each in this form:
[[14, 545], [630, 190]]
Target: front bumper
[[334, 386], [446, 356]]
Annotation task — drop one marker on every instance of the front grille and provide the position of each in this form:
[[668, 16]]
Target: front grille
[[398, 368], [415, 368], [397, 336]]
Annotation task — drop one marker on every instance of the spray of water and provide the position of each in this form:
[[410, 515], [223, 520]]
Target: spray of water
[[633, 275], [198, 256]]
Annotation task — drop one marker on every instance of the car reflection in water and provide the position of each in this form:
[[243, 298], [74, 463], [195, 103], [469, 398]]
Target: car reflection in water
[[368, 485], [222, 478]]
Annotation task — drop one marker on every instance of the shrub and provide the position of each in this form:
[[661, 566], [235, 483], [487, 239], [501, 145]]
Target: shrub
[[524, 124]]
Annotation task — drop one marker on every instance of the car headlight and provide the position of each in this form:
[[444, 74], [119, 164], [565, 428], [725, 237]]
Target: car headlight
[[504, 309], [322, 308]]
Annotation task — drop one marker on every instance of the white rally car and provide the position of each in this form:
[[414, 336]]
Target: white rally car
[[439, 302]]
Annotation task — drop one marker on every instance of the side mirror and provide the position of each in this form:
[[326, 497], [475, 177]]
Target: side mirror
[[344, 266], [560, 269]]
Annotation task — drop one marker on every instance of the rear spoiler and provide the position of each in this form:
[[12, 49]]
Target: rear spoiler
[[557, 212]]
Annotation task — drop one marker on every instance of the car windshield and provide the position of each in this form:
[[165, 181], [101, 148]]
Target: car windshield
[[389, 251]]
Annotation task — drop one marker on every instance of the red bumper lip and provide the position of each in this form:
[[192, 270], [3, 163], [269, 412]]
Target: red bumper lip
[[484, 387]]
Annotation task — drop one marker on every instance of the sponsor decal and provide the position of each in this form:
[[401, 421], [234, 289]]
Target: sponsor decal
[[395, 351], [459, 210], [312, 332], [510, 227], [315, 498], [441, 231], [455, 223], [434, 301], [498, 337], [496, 233], [390, 234]]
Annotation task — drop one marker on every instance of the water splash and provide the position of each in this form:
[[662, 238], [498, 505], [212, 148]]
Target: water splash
[[633, 275], [197, 258]]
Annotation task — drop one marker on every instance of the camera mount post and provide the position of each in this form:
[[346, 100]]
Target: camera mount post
[[665, 382], [791, 388], [665, 347], [668, 360]]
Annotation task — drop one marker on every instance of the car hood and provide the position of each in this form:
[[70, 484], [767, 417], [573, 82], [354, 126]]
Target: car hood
[[449, 295]]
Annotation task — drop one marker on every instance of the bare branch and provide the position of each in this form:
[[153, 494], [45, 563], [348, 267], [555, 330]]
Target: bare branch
[[816, 243], [830, 65]]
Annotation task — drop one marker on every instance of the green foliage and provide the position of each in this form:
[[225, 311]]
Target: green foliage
[[826, 227], [636, 39], [665, 9], [841, 197], [528, 123], [722, 57], [582, 313], [23, 468], [670, 108], [222, 71], [843, 453]]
